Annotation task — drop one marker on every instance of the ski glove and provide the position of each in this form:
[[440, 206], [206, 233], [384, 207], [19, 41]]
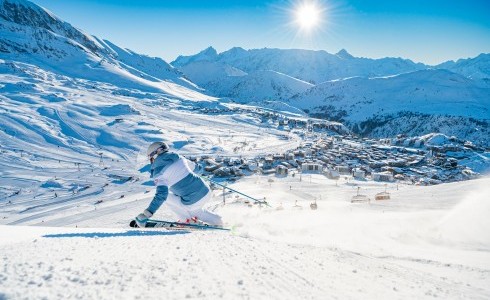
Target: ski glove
[[142, 218]]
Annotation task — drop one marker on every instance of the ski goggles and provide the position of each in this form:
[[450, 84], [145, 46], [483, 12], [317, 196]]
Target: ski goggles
[[155, 153]]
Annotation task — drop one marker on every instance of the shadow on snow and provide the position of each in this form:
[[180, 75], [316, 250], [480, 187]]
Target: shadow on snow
[[115, 234]]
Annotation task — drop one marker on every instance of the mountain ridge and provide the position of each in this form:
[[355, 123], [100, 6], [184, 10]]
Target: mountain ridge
[[446, 91], [32, 34]]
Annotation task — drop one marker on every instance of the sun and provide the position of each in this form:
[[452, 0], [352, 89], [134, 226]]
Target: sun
[[308, 15]]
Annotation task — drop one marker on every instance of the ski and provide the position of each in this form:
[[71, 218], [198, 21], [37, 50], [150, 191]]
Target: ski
[[177, 225]]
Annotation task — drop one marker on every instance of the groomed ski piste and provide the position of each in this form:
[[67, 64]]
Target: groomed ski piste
[[425, 242]]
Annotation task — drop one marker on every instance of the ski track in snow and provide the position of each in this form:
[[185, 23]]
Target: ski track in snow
[[132, 264], [268, 255]]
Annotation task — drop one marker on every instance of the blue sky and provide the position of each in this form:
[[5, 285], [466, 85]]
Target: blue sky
[[428, 31]]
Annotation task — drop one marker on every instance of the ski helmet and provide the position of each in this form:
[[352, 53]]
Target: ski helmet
[[157, 148]]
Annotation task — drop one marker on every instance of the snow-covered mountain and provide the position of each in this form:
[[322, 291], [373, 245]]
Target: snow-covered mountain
[[375, 97], [223, 80], [307, 65], [474, 68], [31, 34], [408, 103]]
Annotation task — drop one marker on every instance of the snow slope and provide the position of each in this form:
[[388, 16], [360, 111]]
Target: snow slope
[[53, 125], [376, 98], [425, 242], [474, 68], [307, 65], [384, 104], [31, 34], [222, 80], [437, 92]]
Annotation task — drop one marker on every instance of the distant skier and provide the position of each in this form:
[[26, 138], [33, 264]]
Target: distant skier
[[183, 192]]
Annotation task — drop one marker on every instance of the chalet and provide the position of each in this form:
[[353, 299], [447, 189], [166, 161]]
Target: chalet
[[277, 157], [311, 168], [343, 170], [268, 161], [331, 174], [324, 158], [293, 163], [268, 171], [281, 170], [358, 173], [384, 176], [300, 153]]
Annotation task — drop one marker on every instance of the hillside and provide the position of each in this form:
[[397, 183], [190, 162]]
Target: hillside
[[31, 34], [474, 68], [374, 97], [222, 80], [311, 66], [425, 242], [383, 104]]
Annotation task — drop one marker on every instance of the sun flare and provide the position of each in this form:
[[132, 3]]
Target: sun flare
[[308, 15]]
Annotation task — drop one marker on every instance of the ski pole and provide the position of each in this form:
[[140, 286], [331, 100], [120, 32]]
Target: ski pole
[[235, 191]]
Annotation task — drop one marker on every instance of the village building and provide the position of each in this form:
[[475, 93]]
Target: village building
[[268, 161], [359, 174], [331, 174], [278, 157], [384, 176], [281, 170], [343, 170], [311, 168], [268, 171]]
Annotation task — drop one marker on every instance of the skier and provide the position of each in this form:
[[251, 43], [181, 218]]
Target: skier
[[183, 192]]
